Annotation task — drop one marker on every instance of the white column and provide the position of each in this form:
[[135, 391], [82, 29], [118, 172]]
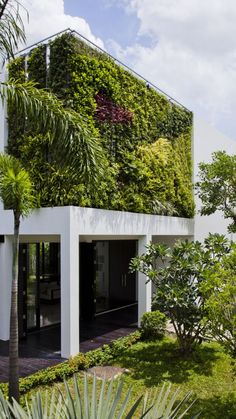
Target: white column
[[5, 287], [69, 293], [144, 289]]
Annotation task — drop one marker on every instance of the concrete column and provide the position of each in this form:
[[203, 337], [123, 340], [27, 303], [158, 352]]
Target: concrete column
[[5, 287], [144, 289], [69, 293]]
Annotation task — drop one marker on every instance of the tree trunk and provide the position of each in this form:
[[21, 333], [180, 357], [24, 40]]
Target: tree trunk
[[14, 339], [3, 7]]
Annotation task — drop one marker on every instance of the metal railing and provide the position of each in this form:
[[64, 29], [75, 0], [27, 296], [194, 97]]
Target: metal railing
[[116, 60]]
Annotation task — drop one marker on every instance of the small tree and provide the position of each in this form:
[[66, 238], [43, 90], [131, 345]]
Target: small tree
[[17, 194], [178, 280], [217, 186], [219, 291]]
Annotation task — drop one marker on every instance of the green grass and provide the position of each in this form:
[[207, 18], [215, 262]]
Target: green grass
[[209, 373]]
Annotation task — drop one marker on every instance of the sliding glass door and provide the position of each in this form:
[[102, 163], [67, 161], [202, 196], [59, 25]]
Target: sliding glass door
[[39, 286], [32, 303]]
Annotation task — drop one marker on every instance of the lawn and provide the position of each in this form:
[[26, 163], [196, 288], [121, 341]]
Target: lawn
[[209, 373]]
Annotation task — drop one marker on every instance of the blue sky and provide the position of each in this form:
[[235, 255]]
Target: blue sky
[[186, 47], [107, 21]]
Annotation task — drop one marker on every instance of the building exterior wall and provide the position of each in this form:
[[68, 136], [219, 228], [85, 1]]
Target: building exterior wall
[[69, 225], [206, 141]]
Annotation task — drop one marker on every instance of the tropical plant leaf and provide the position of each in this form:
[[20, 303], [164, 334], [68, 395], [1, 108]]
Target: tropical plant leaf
[[69, 136], [12, 30]]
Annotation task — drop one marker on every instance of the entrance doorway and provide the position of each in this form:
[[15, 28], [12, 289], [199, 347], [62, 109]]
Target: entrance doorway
[[39, 285], [105, 280]]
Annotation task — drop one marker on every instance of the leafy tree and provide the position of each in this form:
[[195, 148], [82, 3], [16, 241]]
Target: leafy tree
[[177, 274], [217, 186], [219, 291]]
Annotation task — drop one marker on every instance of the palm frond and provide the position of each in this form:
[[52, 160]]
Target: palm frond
[[16, 189], [12, 31], [70, 137]]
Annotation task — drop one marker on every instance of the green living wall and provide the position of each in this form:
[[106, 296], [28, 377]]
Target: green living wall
[[146, 138]]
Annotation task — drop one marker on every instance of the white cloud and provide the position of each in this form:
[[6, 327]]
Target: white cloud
[[192, 54], [47, 17]]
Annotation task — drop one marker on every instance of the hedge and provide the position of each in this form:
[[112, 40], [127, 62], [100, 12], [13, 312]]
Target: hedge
[[77, 363]]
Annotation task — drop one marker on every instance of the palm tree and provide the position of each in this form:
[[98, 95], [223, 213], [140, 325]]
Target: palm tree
[[16, 192], [69, 133], [69, 136]]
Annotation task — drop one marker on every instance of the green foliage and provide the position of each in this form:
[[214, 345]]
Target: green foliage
[[69, 137], [217, 186], [11, 28], [36, 66], [103, 401], [178, 274], [219, 291], [132, 180], [16, 189], [153, 325], [79, 362], [153, 184], [208, 372]]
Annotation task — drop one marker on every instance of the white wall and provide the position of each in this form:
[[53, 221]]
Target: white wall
[[207, 140], [5, 286], [72, 224]]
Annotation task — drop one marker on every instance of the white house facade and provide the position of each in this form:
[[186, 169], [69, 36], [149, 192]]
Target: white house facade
[[73, 239]]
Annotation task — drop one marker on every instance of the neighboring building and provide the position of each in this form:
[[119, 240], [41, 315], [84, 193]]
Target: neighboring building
[[68, 248]]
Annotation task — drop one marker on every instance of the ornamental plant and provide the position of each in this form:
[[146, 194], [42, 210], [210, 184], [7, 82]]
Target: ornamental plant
[[178, 274], [104, 401], [153, 325], [219, 291]]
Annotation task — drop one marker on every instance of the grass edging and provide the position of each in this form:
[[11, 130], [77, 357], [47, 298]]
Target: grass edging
[[77, 363]]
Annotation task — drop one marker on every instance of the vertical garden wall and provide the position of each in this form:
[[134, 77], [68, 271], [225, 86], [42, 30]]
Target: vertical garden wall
[[146, 138]]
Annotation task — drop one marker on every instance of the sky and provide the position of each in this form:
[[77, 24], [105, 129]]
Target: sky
[[185, 47]]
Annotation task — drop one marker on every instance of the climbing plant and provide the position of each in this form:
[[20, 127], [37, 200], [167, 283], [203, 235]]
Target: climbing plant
[[147, 139]]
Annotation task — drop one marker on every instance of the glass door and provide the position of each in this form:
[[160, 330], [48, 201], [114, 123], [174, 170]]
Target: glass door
[[102, 276], [32, 300]]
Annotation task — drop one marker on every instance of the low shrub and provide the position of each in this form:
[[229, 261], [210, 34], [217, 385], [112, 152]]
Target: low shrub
[[77, 363], [153, 325], [109, 404]]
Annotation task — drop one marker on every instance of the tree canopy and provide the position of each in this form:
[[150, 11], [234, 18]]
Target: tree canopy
[[217, 186]]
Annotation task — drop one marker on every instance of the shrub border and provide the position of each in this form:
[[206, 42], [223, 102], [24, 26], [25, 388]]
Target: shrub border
[[77, 363]]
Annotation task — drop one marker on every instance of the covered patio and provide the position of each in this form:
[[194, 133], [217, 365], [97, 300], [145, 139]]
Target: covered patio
[[71, 226], [41, 349]]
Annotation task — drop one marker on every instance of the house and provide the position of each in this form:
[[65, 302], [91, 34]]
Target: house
[[74, 259]]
